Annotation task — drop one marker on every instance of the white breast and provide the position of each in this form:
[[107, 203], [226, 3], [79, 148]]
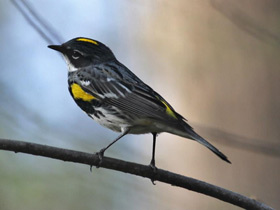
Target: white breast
[[109, 120]]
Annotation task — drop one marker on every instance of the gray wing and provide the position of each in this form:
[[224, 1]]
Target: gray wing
[[134, 99]]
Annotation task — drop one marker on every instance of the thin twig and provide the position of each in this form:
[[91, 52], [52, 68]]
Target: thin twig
[[41, 22], [44, 30], [133, 168]]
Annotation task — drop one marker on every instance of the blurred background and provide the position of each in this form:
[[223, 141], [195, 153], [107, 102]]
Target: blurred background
[[216, 61]]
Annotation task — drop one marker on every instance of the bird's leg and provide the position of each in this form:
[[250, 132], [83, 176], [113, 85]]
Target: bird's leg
[[101, 152], [152, 164]]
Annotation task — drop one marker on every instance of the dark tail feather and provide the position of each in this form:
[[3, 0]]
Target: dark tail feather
[[190, 133], [210, 146]]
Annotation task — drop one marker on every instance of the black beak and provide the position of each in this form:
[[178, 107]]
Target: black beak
[[58, 48]]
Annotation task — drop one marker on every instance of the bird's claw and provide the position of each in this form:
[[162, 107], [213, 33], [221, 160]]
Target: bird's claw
[[154, 169], [100, 156]]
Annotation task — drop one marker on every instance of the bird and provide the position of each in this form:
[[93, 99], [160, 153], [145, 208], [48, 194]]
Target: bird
[[109, 93]]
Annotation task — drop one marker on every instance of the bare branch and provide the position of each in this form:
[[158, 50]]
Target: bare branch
[[133, 168]]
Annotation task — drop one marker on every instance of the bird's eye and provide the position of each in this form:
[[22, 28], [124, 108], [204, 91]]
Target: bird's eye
[[76, 55]]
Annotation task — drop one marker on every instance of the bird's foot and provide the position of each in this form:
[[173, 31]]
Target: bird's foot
[[100, 156], [154, 169]]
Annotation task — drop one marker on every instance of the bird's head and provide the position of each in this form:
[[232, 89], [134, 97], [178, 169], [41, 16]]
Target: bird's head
[[81, 52]]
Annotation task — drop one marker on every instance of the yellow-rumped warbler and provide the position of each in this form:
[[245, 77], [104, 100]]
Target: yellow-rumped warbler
[[116, 98]]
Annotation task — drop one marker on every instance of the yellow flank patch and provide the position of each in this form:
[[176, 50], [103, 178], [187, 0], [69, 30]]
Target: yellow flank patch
[[87, 40], [168, 109], [79, 93]]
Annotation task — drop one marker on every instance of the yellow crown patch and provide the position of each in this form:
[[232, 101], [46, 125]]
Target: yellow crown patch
[[87, 40]]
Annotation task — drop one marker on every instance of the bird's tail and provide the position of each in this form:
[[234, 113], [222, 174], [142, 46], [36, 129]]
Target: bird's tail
[[188, 132]]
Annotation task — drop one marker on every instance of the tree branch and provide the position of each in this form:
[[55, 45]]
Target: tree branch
[[133, 168]]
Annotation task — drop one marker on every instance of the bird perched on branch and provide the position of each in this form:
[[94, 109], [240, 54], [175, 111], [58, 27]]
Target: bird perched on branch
[[116, 98]]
